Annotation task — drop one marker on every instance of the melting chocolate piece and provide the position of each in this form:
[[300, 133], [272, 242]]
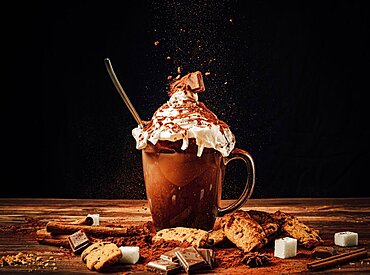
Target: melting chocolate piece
[[78, 241]]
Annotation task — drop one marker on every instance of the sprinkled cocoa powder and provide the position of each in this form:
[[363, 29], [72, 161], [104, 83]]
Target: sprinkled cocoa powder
[[141, 236], [226, 257], [26, 227]]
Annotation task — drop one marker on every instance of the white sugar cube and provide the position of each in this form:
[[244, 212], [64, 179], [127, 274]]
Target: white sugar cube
[[285, 248], [95, 218], [130, 254], [346, 238]]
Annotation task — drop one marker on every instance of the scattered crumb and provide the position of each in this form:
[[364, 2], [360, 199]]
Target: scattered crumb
[[179, 70], [169, 77], [26, 259], [168, 57], [156, 43], [207, 73]]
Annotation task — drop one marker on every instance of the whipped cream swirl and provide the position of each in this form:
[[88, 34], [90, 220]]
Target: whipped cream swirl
[[184, 117]]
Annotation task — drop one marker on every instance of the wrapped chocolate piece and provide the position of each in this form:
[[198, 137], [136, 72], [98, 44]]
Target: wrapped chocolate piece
[[190, 259], [78, 241]]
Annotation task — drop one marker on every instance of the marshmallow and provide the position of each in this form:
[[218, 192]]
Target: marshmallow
[[130, 254], [285, 248], [346, 238], [95, 218]]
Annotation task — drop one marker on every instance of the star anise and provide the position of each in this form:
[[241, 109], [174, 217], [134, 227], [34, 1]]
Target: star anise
[[254, 259]]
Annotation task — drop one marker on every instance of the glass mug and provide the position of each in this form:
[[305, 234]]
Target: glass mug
[[185, 190]]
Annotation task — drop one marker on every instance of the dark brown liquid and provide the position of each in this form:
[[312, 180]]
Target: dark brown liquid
[[183, 189]]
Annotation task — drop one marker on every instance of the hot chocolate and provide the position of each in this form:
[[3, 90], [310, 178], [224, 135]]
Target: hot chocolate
[[185, 149], [183, 188]]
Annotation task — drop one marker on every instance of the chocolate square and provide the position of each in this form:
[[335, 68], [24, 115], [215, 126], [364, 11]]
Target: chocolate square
[[163, 267], [78, 241], [170, 255], [190, 259], [208, 255], [195, 82]]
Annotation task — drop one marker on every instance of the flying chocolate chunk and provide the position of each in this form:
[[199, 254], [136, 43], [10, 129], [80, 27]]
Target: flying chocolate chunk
[[192, 82]]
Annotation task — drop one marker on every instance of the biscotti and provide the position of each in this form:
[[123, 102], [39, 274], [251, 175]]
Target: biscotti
[[100, 255], [195, 237], [290, 225], [241, 229], [269, 224]]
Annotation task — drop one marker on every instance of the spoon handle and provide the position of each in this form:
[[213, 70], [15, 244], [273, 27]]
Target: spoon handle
[[122, 93]]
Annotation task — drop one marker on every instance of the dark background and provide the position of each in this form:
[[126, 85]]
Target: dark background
[[290, 78]]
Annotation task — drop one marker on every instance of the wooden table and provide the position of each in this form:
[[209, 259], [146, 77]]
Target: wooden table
[[20, 216]]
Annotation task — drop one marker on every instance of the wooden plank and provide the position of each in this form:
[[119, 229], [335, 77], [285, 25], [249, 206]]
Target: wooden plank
[[20, 216]]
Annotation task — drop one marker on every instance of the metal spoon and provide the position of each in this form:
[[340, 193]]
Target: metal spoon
[[122, 93]]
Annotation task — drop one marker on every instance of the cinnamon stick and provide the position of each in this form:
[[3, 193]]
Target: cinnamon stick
[[99, 231], [44, 237], [337, 259]]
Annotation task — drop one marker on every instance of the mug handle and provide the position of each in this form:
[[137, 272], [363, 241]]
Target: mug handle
[[249, 185]]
